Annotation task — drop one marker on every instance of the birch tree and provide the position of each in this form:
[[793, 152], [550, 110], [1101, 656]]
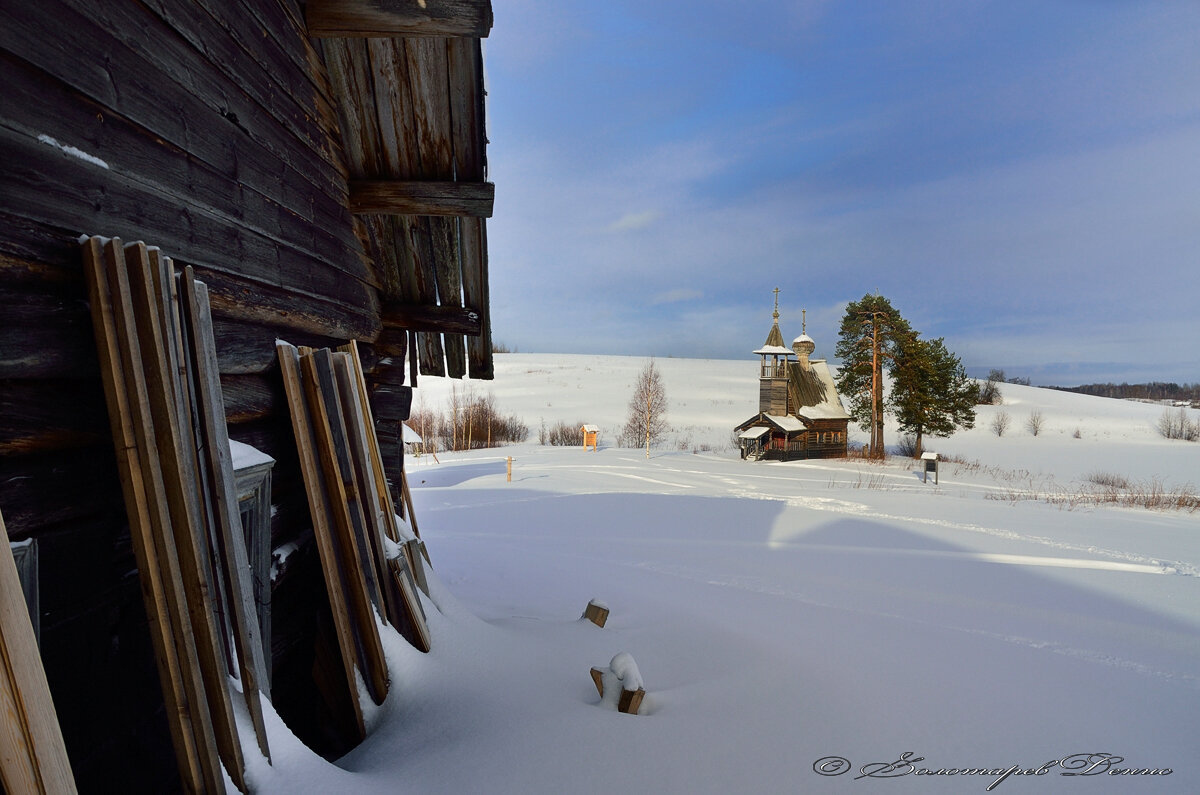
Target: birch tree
[[647, 422]]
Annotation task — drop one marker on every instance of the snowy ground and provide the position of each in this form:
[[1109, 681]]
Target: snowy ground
[[791, 621]]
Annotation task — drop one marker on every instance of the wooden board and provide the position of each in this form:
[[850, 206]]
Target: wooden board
[[379, 476], [413, 626], [33, 757], [234, 575], [353, 562], [175, 652], [319, 508], [178, 479], [374, 528]]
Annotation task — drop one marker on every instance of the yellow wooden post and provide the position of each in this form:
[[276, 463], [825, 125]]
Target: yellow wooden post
[[509, 468]]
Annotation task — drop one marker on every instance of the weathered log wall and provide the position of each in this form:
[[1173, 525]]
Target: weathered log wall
[[207, 128]]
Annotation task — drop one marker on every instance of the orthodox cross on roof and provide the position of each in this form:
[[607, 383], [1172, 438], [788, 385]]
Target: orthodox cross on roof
[[803, 321], [775, 314]]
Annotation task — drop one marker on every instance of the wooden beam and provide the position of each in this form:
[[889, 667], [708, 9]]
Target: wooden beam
[[408, 18], [437, 319], [411, 197]]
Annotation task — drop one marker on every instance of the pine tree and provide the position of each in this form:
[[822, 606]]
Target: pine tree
[[870, 334], [647, 410], [931, 393]]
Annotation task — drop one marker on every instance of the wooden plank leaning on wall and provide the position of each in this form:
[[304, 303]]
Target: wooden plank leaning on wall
[[32, 755], [163, 411]]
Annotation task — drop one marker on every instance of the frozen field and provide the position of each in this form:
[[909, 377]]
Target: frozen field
[[797, 625]]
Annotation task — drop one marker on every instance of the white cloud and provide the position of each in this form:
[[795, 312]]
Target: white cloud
[[633, 221]]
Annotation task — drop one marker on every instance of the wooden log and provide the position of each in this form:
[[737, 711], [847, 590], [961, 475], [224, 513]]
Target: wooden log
[[184, 98], [320, 510], [33, 757], [383, 18], [425, 318], [250, 397], [398, 197], [33, 484], [44, 416], [56, 189], [46, 333]]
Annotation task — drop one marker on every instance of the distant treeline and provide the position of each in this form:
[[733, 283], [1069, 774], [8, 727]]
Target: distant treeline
[[1156, 390]]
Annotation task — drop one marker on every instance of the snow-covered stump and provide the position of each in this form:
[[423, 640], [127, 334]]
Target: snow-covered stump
[[596, 612], [623, 683]]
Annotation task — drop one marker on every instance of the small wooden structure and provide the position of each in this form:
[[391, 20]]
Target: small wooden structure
[[800, 414], [929, 463], [590, 434]]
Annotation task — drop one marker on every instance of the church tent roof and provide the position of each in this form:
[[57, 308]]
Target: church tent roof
[[813, 392]]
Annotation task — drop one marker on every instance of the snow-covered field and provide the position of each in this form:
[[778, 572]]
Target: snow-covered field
[[798, 626]]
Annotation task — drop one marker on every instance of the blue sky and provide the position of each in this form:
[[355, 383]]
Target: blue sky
[[1021, 178]]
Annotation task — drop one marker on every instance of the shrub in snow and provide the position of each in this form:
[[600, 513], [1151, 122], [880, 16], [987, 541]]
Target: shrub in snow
[[907, 446], [471, 422], [1000, 423], [560, 435], [1176, 425], [1035, 422]]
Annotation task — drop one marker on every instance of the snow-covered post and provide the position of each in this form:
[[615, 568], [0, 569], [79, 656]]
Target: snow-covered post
[[623, 682]]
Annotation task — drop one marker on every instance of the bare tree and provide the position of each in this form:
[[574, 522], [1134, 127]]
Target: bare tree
[[647, 420], [989, 391], [1176, 425], [1035, 421], [1000, 423]]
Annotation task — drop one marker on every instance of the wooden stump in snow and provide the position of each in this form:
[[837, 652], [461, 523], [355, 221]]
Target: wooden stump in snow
[[623, 681], [596, 612]]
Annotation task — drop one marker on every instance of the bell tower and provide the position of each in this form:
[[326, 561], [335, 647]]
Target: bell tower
[[773, 371]]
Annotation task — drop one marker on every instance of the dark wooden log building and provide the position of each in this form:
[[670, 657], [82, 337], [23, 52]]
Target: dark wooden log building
[[322, 167], [800, 414]]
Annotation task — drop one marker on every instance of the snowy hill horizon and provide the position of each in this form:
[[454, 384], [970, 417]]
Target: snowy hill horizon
[[799, 626]]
